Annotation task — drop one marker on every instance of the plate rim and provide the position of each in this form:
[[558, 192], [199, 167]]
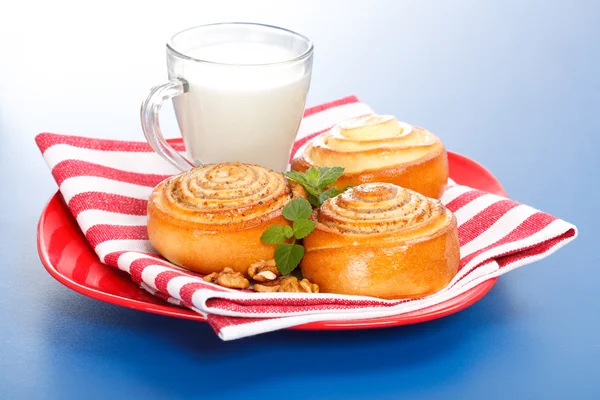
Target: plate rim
[[453, 305]]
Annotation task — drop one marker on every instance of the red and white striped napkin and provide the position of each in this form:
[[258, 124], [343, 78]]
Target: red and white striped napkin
[[106, 184]]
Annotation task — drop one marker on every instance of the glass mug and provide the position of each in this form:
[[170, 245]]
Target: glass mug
[[239, 91]]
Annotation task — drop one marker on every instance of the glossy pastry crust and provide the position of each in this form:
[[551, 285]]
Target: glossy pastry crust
[[379, 148], [213, 216], [384, 241]]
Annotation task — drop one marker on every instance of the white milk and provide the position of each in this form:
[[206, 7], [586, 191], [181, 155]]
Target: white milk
[[241, 113]]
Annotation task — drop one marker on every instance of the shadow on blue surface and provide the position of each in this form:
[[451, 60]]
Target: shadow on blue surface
[[401, 351]]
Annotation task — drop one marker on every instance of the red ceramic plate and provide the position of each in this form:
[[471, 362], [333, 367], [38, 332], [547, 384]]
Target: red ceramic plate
[[67, 257]]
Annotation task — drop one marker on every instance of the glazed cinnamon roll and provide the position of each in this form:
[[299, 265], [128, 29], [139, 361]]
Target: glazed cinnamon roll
[[382, 240], [379, 148], [213, 216]]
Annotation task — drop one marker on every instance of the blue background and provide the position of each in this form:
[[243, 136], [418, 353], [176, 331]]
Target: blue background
[[514, 85]]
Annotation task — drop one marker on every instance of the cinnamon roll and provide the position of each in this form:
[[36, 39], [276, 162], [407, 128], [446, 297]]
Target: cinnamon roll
[[379, 148], [213, 216], [381, 240]]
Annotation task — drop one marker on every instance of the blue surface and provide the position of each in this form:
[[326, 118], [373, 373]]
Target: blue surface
[[514, 85]]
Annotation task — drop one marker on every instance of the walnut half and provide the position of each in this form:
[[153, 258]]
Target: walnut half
[[268, 287], [263, 271], [289, 284], [308, 287], [228, 278]]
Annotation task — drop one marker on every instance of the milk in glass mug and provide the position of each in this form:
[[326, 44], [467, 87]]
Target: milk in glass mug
[[239, 91]]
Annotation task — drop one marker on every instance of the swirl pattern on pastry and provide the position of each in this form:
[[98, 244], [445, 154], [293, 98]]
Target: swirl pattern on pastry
[[382, 240], [219, 194], [375, 208], [370, 142]]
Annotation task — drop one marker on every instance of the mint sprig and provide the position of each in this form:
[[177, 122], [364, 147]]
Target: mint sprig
[[315, 180], [298, 211], [303, 227], [288, 255]]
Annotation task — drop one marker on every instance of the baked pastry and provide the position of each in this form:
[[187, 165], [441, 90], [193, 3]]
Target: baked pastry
[[213, 216], [379, 148], [381, 240]]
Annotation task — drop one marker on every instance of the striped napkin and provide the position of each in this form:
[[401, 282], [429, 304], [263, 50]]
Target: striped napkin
[[106, 184]]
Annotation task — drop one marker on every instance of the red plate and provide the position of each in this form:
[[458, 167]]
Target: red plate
[[69, 259]]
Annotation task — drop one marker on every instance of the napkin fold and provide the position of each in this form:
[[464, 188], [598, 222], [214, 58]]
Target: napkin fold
[[106, 184]]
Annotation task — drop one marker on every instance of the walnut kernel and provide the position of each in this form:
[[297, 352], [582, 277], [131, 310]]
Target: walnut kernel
[[211, 277], [228, 278], [290, 284], [268, 286], [263, 271], [265, 276], [308, 287]]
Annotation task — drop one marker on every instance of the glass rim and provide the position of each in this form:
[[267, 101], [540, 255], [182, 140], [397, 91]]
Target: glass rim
[[300, 57]]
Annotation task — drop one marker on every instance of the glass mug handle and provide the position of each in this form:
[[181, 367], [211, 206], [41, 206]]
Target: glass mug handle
[[150, 121]]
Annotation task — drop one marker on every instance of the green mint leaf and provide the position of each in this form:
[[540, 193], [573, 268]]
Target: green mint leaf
[[329, 175], [297, 209], [302, 227], [314, 200], [297, 177], [274, 235], [315, 180], [288, 232], [312, 176], [331, 192], [313, 191], [288, 256], [300, 178]]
